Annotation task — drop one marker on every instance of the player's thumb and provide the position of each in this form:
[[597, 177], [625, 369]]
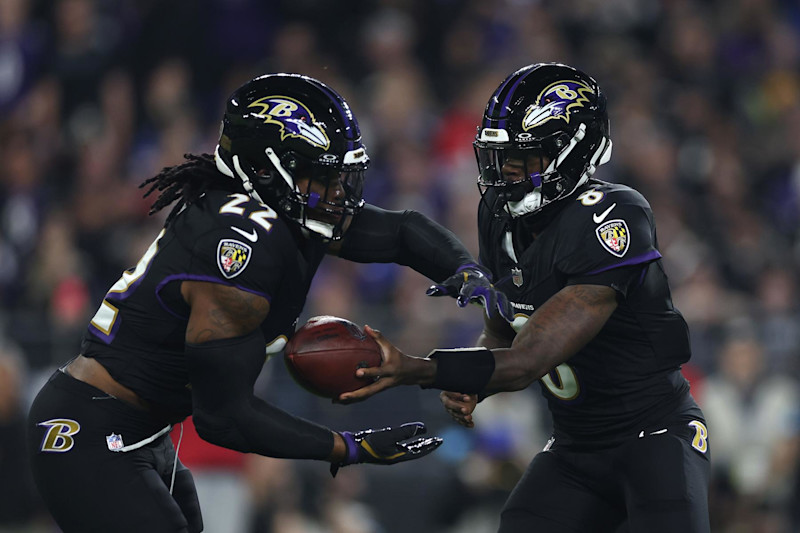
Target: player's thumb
[[409, 429], [374, 333], [384, 345]]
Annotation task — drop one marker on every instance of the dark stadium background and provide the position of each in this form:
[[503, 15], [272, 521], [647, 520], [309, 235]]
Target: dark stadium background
[[97, 95]]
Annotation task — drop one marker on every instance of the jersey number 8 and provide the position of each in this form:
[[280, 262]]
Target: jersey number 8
[[561, 381]]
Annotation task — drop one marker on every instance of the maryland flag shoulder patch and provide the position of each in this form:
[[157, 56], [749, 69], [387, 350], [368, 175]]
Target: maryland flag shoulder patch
[[614, 236], [232, 257]]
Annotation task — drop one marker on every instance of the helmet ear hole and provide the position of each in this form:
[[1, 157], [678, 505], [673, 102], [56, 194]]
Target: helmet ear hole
[[552, 146], [289, 162], [267, 177]]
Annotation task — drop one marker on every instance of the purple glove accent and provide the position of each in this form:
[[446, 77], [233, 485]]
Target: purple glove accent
[[471, 283], [386, 446], [352, 448], [482, 292], [477, 268], [466, 266]]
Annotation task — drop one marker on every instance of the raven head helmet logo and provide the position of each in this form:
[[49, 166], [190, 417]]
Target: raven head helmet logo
[[293, 117], [556, 101]]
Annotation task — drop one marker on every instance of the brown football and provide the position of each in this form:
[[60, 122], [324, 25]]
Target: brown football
[[324, 354]]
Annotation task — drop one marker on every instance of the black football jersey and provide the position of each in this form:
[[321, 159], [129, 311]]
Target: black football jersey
[[628, 376], [138, 333]]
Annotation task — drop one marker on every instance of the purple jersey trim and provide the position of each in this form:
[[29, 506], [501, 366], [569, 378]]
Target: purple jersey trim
[[195, 277], [121, 295], [652, 255], [108, 339]]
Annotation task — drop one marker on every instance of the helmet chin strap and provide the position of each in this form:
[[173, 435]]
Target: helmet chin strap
[[225, 169], [326, 230], [221, 165], [529, 203], [276, 162]]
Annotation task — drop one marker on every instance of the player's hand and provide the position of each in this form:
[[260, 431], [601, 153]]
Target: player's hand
[[396, 369], [460, 406], [471, 284], [387, 446]]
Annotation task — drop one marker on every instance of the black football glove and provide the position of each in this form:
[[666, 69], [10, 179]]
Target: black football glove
[[387, 446], [471, 283]]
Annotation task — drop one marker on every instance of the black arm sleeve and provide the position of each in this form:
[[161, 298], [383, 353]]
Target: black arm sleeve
[[404, 237], [226, 412]]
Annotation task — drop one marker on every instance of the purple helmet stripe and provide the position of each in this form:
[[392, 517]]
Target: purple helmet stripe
[[502, 123], [351, 130], [496, 97], [503, 94]]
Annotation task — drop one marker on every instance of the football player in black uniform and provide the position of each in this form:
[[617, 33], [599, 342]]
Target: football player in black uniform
[[185, 332], [594, 323]]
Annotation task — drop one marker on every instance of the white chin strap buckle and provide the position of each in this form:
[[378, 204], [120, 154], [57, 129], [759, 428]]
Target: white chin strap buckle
[[529, 203]]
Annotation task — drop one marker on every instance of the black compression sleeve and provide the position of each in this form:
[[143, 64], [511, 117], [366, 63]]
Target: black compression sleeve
[[404, 237], [226, 412]]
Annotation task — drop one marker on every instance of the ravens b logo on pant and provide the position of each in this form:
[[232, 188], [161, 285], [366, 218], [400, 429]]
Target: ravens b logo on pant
[[58, 438]]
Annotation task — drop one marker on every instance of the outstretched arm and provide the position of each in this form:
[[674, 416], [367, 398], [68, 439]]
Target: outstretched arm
[[410, 238], [225, 352], [404, 237], [555, 332]]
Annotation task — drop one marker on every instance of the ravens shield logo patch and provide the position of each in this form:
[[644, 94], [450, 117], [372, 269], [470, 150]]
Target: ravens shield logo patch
[[613, 235], [232, 257]]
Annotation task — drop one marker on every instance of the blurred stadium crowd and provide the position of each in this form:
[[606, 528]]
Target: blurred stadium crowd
[[97, 95]]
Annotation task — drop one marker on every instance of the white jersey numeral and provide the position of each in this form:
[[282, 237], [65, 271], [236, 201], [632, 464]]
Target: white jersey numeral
[[261, 217], [106, 315], [567, 387]]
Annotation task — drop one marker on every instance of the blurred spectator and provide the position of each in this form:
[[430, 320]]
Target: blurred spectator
[[86, 41], [22, 43], [778, 317], [20, 509], [218, 476], [704, 97], [752, 419]]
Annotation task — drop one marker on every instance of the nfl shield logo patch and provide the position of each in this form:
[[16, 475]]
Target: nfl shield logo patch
[[232, 257], [613, 235], [516, 276], [114, 442]]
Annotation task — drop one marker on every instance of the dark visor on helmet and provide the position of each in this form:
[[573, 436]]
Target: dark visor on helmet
[[508, 167], [349, 179]]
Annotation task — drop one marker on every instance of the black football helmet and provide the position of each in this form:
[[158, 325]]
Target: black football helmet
[[549, 122], [281, 128]]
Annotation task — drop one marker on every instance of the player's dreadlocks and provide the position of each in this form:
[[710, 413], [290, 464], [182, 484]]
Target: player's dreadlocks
[[187, 182]]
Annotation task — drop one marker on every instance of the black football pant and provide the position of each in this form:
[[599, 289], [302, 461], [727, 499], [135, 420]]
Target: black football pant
[[90, 489], [654, 484]]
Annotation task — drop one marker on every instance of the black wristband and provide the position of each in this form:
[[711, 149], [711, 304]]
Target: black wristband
[[465, 370]]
